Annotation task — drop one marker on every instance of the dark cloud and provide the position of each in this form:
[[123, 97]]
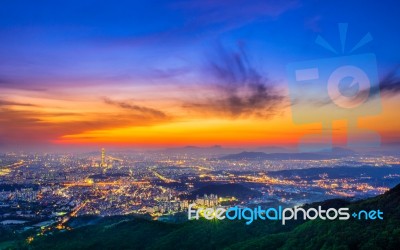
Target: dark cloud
[[390, 84], [18, 83], [9, 103], [145, 111], [239, 89], [3, 81]]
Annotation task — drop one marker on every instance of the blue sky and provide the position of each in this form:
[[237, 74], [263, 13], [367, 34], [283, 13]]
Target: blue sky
[[78, 70], [75, 39]]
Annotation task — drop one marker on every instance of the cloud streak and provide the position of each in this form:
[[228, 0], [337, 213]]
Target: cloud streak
[[10, 103], [239, 89], [202, 19], [390, 84], [141, 110], [35, 127]]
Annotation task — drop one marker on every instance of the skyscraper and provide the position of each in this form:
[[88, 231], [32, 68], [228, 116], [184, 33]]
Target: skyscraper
[[103, 158]]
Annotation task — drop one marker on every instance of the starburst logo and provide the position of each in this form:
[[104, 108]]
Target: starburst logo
[[348, 86]]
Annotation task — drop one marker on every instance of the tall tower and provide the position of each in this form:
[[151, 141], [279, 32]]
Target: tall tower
[[103, 157]]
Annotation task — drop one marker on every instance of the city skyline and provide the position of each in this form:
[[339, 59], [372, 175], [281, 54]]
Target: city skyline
[[199, 124]]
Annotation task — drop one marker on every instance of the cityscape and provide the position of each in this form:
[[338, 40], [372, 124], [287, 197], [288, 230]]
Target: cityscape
[[43, 193], [199, 125]]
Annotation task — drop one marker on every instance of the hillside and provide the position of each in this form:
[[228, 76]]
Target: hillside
[[130, 233]]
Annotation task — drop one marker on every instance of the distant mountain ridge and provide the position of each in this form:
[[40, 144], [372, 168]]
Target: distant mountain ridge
[[245, 155], [220, 150]]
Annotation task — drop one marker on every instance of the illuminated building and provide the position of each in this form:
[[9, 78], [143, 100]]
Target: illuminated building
[[103, 158], [207, 200]]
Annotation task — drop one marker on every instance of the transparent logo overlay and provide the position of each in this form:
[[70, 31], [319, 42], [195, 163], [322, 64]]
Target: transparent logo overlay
[[249, 215], [343, 87]]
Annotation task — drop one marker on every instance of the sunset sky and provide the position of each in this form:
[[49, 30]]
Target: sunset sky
[[175, 73]]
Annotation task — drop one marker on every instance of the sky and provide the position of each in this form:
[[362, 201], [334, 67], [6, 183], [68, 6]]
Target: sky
[[176, 73]]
